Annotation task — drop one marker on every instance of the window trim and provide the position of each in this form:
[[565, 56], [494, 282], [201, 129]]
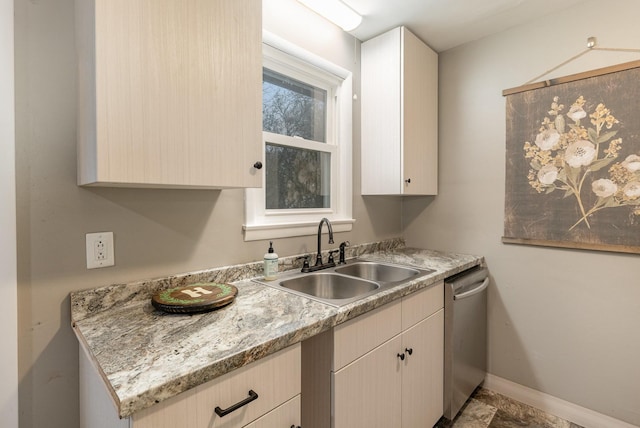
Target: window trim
[[259, 224]]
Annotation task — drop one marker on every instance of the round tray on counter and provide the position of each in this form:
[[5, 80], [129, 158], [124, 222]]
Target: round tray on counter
[[194, 298]]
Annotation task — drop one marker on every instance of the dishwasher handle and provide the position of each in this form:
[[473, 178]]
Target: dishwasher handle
[[473, 291]]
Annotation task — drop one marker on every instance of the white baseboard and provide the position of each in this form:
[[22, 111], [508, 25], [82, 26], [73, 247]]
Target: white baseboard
[[553, 405]]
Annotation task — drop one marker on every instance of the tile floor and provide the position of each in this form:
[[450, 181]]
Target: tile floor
[[488, 409]]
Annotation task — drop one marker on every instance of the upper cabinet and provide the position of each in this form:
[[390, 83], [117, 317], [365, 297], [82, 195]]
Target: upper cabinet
[[399, 115], [170, 93]]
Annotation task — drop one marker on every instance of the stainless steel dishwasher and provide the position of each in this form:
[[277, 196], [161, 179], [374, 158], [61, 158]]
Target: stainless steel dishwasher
[[465, 337]]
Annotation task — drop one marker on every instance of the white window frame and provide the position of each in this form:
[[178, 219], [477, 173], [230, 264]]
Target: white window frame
[[285, 58]]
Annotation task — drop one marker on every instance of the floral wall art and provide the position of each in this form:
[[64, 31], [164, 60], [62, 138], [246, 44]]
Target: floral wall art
[[573, 161]]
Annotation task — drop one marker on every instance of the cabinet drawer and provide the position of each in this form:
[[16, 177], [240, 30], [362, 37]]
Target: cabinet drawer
[[422, 304], [360, 335], [285, 416], [276, 379]]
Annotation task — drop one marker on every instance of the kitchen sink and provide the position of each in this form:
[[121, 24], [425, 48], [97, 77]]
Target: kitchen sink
[[343, 284], [375, 271], [329, 285]]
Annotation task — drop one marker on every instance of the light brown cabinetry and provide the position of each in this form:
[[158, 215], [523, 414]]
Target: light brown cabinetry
[[169, 93], [385, 367], [275, 379], [399, 115], [422, 372], [367, 392]]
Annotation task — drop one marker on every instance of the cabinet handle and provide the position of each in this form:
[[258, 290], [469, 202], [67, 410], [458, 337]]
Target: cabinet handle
[[401, 356], [408, 181], [409, 351], [252, 396], [257, 165]]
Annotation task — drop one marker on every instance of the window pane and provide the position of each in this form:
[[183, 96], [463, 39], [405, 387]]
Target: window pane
[[297, 178], [293, 108]]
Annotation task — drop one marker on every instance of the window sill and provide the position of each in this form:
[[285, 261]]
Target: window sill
[[286, 230]]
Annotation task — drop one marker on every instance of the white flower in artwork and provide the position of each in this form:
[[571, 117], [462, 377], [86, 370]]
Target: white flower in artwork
[[632, 190], [604, 187], [576, 113], [547, 139], [632, 163], [567, 157], [580, 153], [547, 174]]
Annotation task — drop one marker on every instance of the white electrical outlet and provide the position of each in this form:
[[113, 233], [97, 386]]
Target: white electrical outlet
[[100, 250]]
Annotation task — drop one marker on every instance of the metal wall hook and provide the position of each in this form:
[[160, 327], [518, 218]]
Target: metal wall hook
[[591, 46]]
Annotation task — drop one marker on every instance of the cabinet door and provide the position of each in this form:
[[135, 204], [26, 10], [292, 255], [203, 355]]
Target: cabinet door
[[422, 374], [381, 120], [170, 93], [367, 391], [399, 115], [285, 416], [420, 122]]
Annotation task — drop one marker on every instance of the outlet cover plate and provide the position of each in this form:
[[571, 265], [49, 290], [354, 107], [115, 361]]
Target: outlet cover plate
[[99, 250]]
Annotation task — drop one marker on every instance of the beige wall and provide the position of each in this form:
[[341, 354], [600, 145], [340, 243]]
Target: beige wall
[[157, 232], [9, 312], [564, 322]]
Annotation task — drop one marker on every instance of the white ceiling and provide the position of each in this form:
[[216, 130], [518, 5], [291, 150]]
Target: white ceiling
[[444, 24]]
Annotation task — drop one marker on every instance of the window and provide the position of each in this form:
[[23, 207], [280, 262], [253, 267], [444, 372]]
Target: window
[[297, 154], [306, 109]]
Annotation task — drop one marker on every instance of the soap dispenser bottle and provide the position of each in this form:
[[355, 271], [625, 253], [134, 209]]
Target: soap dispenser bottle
[[270, 264]]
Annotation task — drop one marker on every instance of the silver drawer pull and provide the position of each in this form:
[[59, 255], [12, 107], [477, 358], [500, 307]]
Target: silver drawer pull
[[224, 412]]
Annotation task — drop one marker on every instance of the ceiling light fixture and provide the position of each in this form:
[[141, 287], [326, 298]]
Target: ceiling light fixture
[[336, 12]]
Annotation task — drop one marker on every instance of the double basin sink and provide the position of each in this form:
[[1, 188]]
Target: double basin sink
[[344, 284]]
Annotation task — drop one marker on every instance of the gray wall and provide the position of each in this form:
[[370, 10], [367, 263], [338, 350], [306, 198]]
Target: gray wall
[[564, 322], [157, 232]]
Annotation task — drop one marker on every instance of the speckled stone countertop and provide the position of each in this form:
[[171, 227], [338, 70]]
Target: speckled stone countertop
[[146, 356]]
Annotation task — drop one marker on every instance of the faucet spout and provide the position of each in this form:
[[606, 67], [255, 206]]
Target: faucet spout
[[319, 255]]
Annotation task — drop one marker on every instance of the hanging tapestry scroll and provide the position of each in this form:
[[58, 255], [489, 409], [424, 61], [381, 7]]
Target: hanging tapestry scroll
[[573, 161]]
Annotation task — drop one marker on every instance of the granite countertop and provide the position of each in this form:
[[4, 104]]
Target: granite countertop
[[146, 356]]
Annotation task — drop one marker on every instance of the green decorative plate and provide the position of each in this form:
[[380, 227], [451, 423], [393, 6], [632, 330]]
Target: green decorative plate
[[200, 297]]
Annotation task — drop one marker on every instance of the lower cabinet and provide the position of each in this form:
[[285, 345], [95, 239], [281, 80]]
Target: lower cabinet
[[385, 368], [398, 384], [381, 369], [368, 392], [264, 394]]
